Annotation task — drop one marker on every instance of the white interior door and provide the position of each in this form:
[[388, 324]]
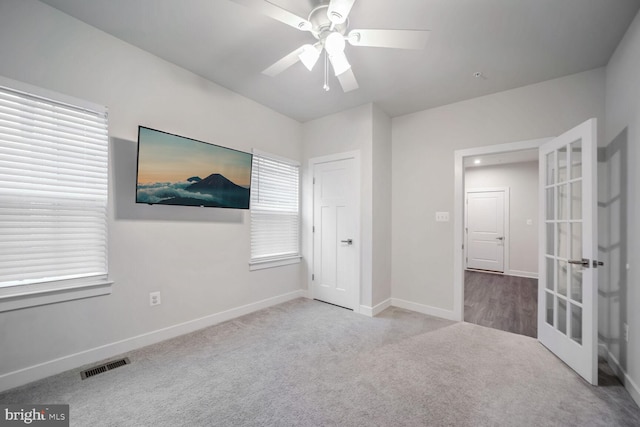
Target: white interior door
[[335, 260], [485, 230], [567, 285]]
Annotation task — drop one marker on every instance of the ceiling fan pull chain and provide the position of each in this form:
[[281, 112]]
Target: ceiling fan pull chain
[[326, 72]]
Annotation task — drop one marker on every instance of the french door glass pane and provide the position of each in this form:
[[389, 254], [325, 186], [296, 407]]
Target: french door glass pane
[[549, 307], [576, 240], [563, 197], [551, 168], [550, 239], [550, 273], [562, 315], [576, 282], [562, 164], [576, 200], [563, 240], [562, 278], [576, 323], [551, 203], [576, 159]]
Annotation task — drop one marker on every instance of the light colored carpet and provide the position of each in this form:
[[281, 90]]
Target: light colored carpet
[[306, 363]]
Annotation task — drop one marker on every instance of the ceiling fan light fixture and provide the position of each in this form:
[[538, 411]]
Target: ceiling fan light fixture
[[309, 56], [334, 44], [340, 63]]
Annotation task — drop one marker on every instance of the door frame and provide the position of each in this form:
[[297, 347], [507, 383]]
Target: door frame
[[506, 221], [358, 243], [458, 210]]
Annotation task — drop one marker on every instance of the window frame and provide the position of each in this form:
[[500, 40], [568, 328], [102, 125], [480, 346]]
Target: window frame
[[262, 262], [19, 296]]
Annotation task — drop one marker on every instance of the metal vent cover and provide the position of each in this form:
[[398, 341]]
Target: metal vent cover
[[104, 368]]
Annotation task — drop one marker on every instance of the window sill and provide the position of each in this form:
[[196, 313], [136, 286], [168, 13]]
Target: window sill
[[19, 297], [259, 265]]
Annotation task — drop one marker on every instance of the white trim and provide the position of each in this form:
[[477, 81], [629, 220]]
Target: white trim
[[629, 384], [506, 222], [287, 255], [519, 273], [22, 297], [375, 310], [458, 211], [73, 361], [424, 309], [355, 154], [270, 263]]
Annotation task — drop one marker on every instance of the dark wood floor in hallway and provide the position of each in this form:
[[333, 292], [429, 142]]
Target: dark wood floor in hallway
[[502, 302]]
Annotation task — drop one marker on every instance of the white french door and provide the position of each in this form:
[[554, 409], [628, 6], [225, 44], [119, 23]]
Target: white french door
[[567, 285]]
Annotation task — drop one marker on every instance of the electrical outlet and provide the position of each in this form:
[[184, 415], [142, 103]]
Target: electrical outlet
[[154, 298], [626, 332]]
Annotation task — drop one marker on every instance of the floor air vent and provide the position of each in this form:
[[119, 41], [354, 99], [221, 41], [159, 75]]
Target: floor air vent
[[104, 368]]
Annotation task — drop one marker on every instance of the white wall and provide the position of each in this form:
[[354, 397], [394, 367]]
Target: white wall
[[197, 258], [349, 130], [423, 146], [366, 129], [381, 275], [621, 208], [522, 180]]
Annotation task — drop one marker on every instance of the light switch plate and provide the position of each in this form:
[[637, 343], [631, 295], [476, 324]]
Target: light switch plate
[[442, 216]]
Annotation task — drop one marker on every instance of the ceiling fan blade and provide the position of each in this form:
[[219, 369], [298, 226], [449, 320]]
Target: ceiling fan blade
[[276, 12], [284, 63], [348, 81], [339, 63], [310, 55], [339, 10], [400, 39]]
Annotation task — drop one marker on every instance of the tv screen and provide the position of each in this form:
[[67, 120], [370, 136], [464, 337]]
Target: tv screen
[[175, 170]]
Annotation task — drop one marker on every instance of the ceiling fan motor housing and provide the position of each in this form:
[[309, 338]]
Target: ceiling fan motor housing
[[322, 25]]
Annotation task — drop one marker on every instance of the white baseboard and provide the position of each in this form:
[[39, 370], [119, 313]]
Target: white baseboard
[[73, 361], [424, 309], [519, 273], [377, 309], [629, 384]]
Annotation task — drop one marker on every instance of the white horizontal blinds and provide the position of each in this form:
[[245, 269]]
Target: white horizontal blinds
[[53, 190], [275, 216]]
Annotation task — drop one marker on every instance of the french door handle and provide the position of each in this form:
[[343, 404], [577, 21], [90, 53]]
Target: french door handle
[[348, 241], [583, 262]]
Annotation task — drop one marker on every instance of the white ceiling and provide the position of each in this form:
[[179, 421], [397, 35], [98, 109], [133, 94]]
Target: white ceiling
[[512, 42]]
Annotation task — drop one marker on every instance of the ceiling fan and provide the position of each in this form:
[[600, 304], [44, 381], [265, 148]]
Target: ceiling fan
[[329, 24]]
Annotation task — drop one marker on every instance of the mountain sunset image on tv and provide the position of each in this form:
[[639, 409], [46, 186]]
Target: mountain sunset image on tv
[[175, 170]]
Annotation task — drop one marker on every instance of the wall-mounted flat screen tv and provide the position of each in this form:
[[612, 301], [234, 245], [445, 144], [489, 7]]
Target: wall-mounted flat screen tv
[[175, 170]]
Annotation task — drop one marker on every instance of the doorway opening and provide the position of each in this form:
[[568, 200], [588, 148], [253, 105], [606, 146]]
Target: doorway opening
[[501, 246], [496, 225]]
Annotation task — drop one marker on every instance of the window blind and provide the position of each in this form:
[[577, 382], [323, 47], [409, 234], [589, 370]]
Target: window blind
[[53, 190], [275, 215]]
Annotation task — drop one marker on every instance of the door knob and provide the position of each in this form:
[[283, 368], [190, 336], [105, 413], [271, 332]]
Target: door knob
[[499, 238], [348, 241]]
